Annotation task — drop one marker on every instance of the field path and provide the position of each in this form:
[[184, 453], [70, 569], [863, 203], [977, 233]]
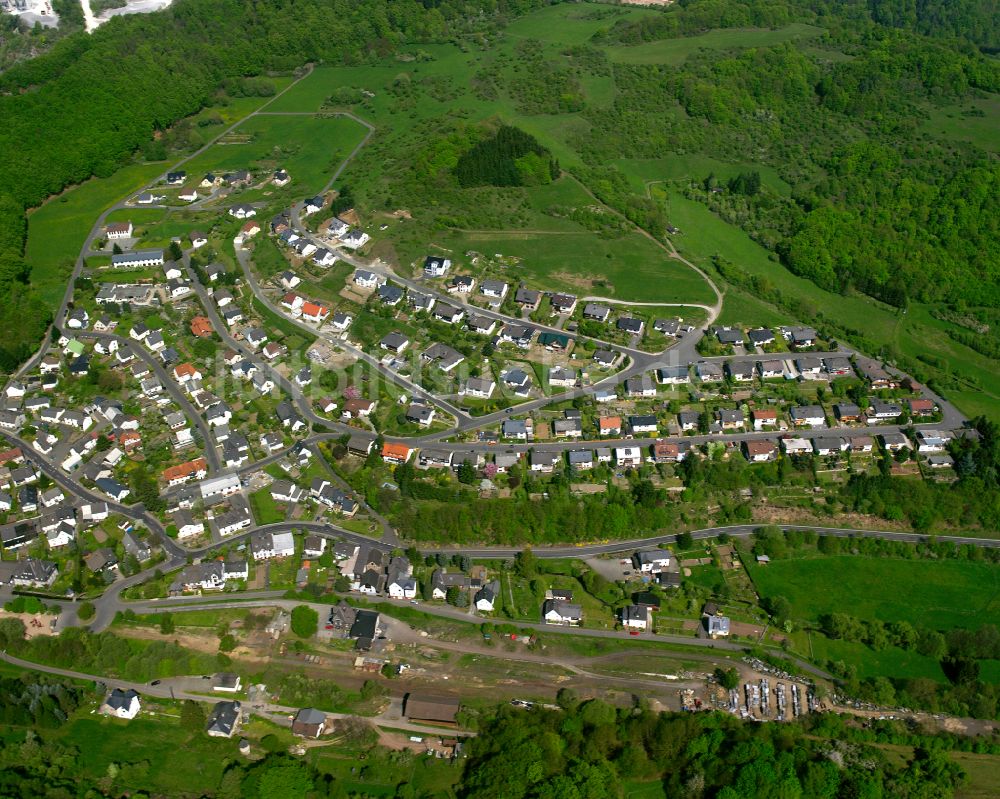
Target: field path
[[713, 310]]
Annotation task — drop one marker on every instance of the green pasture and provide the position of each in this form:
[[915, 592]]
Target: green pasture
[[630, 268], [977, 121], [675, 52], [938, 594], [58, 229], [309, 147]]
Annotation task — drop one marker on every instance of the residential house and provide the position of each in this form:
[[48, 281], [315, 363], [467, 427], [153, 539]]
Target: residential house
[[528, 298], [486, 597], [740, 371], [764, 418], [630, 325], [556, 611], [224, 720], [642, 424], [435, 266], [563, 303], [667, 452], [761, 336], [609, 425], [760, 451], [794, 445], [808, 416], [651, 561], [771, 369], [480, 387], [628, 457], [122, 704], [448, 313], [495, 289], [642, 386], [395, 452], [673, 375], [708, 372], [635, 617], [846, 412], [596, 312]]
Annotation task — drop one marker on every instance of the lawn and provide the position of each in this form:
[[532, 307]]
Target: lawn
[[675, 52], [373, 773], [309, 147], [675, 166], [58, 229], [920, 335], [941, 595], [570, 24], [265, 509]]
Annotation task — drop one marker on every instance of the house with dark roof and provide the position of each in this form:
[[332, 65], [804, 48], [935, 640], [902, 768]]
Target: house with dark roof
[[224, 719]]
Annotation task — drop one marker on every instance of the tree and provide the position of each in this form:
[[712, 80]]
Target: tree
[[192, 716], [467, 473], [227, 643], [525, 564], [305, 621], [727, 678], [167, 626], [685, 541], [779, 607], [85, 611]]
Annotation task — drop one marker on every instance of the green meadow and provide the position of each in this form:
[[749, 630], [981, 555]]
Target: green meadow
[[630, 268], [58, 229], [309, 147], [675, 51], [937, 594]]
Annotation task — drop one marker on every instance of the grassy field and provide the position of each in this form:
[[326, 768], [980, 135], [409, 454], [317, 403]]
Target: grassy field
[[704, 235], [941, 594], [976, 122], [675, 51], [631, 268], [643, 171], [57, 230], [179, 762], [309, 147], [920, 335]]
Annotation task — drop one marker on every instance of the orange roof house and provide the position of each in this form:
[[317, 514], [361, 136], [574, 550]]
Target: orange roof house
[[201, 327], [311, 310], [129, 439], [185, 371], [395, 453], [182, 472], [609, 424]]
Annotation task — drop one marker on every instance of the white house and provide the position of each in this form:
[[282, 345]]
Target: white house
[[651, 561], [121, 704], [628, 456], [557, 611], [635, 617]]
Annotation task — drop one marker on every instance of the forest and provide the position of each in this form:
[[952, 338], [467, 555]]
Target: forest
[[509, 157], [586, 749]]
